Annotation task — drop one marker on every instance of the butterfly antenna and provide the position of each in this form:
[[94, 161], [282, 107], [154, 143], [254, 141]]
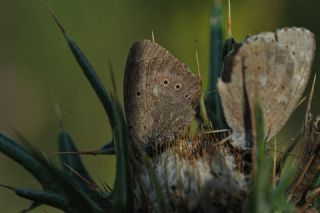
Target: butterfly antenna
[[152, 36], [229, 20]]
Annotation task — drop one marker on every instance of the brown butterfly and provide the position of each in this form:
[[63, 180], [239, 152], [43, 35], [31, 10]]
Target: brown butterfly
[[275, 67], [160, 95]]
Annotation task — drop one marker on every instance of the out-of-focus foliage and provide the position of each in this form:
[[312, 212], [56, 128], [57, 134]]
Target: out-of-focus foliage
[[37, 69]]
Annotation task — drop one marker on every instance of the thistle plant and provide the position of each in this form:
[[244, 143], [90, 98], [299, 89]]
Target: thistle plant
[[199, 173]]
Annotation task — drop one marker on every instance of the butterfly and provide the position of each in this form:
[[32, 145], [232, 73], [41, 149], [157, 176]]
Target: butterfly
[[273, 67], [160, 95]]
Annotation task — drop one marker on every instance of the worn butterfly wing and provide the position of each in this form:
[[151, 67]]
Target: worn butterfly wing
[[275, 67], [160, 94]]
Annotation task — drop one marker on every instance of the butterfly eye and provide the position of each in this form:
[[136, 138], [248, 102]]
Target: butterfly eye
[[138, 93], [165, 82], [178, 86]]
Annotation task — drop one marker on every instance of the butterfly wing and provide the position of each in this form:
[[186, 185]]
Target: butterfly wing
[[160, 94], [275, 68]]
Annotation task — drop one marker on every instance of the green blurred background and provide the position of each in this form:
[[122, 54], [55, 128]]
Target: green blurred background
[[38, 70]]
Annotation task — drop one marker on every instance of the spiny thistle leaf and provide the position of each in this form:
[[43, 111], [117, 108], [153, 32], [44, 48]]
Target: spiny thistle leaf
[[66, 144], [39, 197], [88, 70], [122, 194], [19, 154], [32, 206], [107, 149], [74, 167], [76, 197], [52, 179], [213, 102], [50, 199]]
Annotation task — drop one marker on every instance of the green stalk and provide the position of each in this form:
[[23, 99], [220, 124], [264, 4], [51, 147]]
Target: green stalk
[[212, 100]]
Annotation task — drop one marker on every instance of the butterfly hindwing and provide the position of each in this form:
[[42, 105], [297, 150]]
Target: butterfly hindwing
[[160, 93], [275, 68]]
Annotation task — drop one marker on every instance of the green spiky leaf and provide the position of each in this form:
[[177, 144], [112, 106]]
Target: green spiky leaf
[[74, 167], [212, 100], [76, 197], [108, 149], [122, 193], [88, 71], [66, 144], [32, 206], [50, 199], [39, 198], [21, 155]]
